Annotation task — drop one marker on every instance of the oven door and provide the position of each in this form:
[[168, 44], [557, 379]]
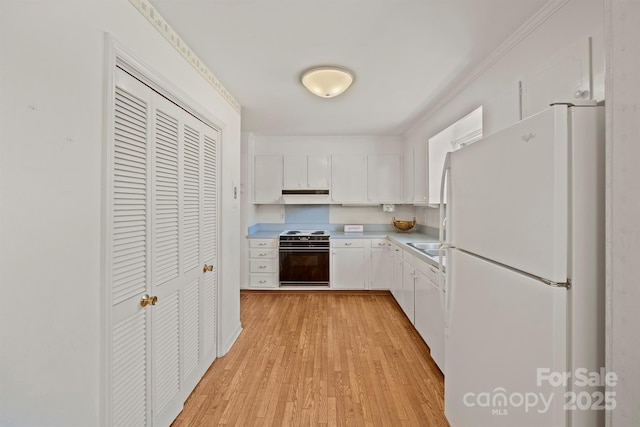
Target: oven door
[[304, 266]]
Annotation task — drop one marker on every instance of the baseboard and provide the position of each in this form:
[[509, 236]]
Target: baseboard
[[326, 291], [232, 339]]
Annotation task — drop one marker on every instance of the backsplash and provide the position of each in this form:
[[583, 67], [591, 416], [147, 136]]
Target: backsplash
[[307, 214], [333, 217], [369, 214]]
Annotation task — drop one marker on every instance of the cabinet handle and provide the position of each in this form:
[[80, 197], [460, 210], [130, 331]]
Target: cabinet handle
[[262, 266], [262, 254], [262, 281], [347, 244]]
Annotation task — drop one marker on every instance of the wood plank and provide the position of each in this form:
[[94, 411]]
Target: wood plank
[[320, 358]]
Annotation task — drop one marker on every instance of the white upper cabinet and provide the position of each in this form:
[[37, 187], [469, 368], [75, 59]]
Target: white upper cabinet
[[348, 179], [384, 178], [318, 172], [463, 132], [267, 179], [301, 172], [415, 175], [295, 171], [439, 146], [565, 77]]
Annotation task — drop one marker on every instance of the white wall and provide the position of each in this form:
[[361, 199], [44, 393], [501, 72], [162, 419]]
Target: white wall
[[367, 144], [496, 89], [623, 208], [51, 108], [248, 209]]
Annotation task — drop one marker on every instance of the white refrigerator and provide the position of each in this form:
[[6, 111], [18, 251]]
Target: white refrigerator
[[524, 286]]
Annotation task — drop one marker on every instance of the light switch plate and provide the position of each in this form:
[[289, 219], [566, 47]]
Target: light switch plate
[[353, 228]]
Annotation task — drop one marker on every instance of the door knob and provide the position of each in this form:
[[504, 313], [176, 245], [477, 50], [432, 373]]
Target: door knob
[[207, 268], [146, 300]]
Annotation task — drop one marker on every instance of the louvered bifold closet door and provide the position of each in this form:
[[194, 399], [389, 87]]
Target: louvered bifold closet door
[[167, 282], [162, 197], [128, 253], [209, 245], [190, 264]]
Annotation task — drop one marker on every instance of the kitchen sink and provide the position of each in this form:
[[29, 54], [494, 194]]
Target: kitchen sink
[[431, 249], [432, 252], [425, 246]]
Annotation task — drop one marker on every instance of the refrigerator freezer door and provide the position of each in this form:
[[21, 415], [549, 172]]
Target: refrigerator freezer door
[[504, 327], [509, 196]]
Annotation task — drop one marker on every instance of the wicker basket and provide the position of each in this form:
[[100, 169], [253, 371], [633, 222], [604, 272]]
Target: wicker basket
[[404, 226]]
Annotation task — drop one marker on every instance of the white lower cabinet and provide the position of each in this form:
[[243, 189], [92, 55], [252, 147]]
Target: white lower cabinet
[[263, 263], [348, 266], [415, 286], [361, 264], [407, 301], [396, 272], [434, 334], [381, 264], [429, 316]]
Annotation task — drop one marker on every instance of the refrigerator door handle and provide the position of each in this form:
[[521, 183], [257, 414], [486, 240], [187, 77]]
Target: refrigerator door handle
[[443, 277], [443, 207]]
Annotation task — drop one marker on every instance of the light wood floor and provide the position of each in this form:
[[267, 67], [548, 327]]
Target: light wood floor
[[320, 358]]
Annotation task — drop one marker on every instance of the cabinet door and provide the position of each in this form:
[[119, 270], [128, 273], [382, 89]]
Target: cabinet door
[[396, 280], [422, 306], [434, 323], [267, 179], [407, 176], [565, 77], [420, 178], [383, 179], [408, 287], [348, 268], [381, 266], [295, 171], [318, 172], [348, 179], [439, 146]]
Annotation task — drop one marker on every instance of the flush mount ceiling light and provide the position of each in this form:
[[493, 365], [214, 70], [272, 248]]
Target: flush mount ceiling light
[[327, 82]]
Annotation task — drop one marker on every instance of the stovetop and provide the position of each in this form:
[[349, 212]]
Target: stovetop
[[305, 233]]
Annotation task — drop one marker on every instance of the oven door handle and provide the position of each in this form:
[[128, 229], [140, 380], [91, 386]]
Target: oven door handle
[[304, 249]]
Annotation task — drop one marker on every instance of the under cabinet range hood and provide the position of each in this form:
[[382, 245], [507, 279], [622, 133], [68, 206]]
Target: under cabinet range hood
[[306, 197]]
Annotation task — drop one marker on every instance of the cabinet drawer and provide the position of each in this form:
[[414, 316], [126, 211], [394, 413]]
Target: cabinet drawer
[[379, 243], [262, 266], [263, 281], [427, 269], [263, 243], [348, 243], [263, 253], [433, 274]]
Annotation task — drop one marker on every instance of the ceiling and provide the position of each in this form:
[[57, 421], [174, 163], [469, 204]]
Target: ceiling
[[406, 55]]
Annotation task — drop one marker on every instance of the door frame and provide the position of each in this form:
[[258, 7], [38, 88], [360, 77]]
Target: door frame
[[118, 56]]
